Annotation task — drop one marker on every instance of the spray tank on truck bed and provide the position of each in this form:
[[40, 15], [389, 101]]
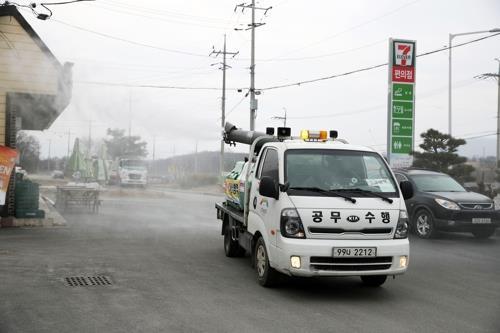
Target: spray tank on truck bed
[[235, 182]]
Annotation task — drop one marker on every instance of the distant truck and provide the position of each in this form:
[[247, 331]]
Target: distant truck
[[132, 172], [316, 206]]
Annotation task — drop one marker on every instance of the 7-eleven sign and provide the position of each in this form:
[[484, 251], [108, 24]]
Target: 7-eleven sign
[[404, 54], [401, 102]]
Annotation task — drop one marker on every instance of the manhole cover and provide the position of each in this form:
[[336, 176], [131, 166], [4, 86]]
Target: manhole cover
[[87, 281]]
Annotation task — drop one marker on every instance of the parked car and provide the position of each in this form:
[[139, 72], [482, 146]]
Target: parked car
[[440, 203]]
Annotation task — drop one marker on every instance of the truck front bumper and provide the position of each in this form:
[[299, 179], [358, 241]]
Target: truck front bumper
[[316, 257], [133, 181]]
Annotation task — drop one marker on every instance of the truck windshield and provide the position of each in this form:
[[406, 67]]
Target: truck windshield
[[436, 183], [331, 170], [133, 164]]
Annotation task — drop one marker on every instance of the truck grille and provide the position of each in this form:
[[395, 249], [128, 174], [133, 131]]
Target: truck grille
[[134, 176], [366, 231], [350, 264], [476, 206]]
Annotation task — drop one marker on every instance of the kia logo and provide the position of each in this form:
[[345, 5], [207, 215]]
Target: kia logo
[[353, 218]]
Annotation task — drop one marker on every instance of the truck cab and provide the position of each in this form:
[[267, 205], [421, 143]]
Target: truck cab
[[132, 171], [322, 208]]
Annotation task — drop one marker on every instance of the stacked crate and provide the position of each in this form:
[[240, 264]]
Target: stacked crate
[[27, 195]]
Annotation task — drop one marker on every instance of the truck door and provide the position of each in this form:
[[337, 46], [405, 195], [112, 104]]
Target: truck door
[[267, 209]]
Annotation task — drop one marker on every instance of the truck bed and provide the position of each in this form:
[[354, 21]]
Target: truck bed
[[224, 208]]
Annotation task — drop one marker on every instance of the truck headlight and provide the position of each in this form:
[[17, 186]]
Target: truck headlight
[[403, 261], [291, 224], [402, 226], [295, 261], [447, 204]]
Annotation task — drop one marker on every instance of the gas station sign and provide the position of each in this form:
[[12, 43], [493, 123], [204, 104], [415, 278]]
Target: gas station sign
[[401, 102]]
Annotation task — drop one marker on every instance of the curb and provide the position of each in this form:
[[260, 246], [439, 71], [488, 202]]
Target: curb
[[52, 217]]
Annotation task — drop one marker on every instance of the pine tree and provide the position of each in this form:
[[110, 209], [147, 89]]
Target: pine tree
[[440, 154]]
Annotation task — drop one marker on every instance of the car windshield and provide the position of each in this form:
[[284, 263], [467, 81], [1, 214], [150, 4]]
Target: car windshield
[[331, 170], [436, 183]]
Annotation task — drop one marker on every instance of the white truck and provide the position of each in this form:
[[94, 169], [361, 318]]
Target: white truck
[[132, 171], [317, 206]]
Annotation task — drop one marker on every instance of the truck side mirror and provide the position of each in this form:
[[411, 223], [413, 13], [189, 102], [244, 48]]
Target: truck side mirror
[[269, 188], [406, 189]]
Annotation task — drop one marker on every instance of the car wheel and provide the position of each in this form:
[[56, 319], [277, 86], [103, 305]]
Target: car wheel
[[483, 233], [373, 280], [424, 224], [266, 275], [231, 246]]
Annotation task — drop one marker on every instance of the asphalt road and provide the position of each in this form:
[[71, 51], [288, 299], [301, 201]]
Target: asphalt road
[[165, 259]]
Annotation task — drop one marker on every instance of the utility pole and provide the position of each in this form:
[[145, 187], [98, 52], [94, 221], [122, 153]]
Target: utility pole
[[498, 114], [450, 46], [196, 158], [497, 77], [154, 147], [69, 144], [223, 104], [90, 137], [281, 118], [130, 115], [252, 26], [48, 159], [154, 150]]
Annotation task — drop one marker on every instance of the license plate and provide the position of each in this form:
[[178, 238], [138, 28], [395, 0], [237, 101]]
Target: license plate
[[481, 220], [354, 252]]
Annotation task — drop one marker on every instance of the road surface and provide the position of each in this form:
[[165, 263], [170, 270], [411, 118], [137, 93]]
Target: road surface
[[168, 273]]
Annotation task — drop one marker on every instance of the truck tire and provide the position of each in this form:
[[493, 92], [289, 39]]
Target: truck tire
[[373, 280], [423, 224], [231, 247], [483, 233], [266, 275]]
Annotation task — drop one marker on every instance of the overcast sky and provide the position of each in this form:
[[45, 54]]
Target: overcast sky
[[300, 40]]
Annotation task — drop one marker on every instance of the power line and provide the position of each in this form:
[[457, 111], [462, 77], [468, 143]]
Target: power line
[[326, 55], [130, 41], [112, 8], [461, 84], [371, 67], [458, 84], [356, 26], [148, 86], [235, 106], [157, 11]]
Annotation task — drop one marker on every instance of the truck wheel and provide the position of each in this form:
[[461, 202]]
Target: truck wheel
[[373, 280], [483, 233], [424, 224], [231, 246], [266, 275]]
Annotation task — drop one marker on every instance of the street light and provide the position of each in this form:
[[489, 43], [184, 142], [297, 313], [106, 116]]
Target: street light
[[451, 36]]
